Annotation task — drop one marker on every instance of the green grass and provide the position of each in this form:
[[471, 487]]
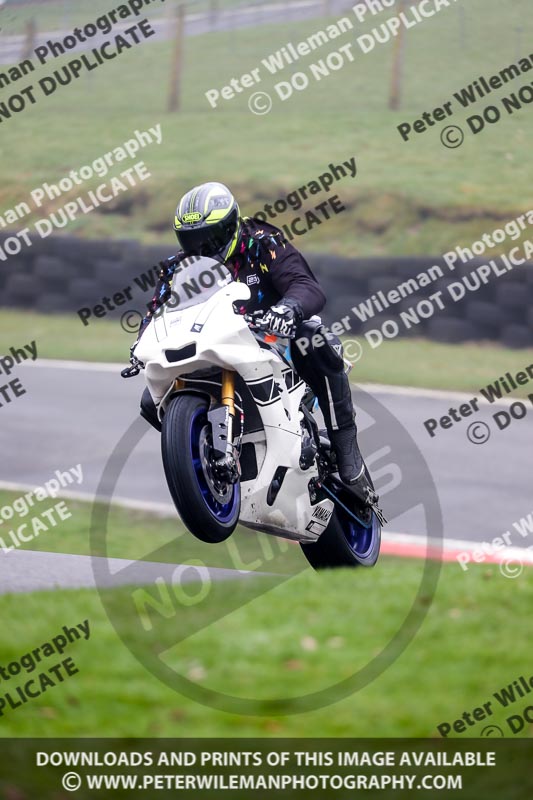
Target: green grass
[[310, 631], [305, 634], [264, 639], [64, 336], [412, 197], [132, 534], [404, 362], [420, 363]]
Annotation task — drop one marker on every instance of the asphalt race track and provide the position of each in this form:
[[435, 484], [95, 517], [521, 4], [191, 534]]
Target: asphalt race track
[[75, 414], [78, 414], [29, 571]]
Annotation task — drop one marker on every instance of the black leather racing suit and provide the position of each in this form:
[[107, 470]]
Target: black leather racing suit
[[274, 270]]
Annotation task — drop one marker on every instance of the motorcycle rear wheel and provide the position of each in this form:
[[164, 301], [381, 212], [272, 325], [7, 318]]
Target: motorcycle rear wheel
[[345, 542], [209, 509]]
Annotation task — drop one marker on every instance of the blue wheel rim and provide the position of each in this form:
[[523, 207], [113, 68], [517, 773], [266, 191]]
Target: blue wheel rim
[[359, 537], [222, 512]]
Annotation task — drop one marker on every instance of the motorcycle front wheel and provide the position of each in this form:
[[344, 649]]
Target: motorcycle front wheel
[[209, 508]]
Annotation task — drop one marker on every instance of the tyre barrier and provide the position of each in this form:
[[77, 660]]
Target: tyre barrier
[[64, 273]]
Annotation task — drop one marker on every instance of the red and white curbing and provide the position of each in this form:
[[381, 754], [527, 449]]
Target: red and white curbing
[[411, 546]]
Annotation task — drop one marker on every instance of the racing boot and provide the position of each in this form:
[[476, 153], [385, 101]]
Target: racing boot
[[351, 465]]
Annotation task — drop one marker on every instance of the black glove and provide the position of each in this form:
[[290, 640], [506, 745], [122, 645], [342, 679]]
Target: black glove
[[283, 319], [136, 364]]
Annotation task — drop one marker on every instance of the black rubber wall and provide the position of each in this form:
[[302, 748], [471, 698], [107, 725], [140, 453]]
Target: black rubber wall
[[64, 274]]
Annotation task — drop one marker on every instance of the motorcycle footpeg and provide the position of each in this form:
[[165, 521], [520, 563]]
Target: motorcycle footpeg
[[369, 502], [365, 495], [379, 514], [130, 372]]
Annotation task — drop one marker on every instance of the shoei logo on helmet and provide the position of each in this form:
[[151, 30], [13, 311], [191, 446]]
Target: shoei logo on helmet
[[192, 216]]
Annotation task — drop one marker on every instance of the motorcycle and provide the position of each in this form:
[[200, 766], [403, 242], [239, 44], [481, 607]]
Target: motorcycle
[[240, 442]]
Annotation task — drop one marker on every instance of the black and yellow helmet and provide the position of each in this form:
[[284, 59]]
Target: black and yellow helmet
[[208, 221]]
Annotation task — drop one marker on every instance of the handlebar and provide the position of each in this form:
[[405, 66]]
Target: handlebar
[[254, 319]]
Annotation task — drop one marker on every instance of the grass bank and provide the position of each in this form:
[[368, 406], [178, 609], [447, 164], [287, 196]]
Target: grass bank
[[408, 197]]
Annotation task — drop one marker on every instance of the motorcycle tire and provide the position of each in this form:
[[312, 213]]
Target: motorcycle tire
[[210, 511], [345, 542]]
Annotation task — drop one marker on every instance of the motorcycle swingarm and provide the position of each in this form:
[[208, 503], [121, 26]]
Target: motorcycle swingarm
[[361, 514]]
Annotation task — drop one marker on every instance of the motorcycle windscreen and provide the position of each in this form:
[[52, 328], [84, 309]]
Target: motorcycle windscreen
[[195, 281]]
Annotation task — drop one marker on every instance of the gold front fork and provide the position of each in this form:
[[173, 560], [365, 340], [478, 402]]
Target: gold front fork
[[228, 390]]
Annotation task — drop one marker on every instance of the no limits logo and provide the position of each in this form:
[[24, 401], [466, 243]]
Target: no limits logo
[[159, 617]]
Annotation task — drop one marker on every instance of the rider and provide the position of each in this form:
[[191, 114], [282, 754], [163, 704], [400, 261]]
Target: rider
[[208, 223]]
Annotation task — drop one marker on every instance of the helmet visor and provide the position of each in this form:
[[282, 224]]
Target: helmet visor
[[209, 240]]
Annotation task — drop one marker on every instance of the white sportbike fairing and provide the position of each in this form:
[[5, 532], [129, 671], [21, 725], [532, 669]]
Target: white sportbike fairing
[[238, 443]]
